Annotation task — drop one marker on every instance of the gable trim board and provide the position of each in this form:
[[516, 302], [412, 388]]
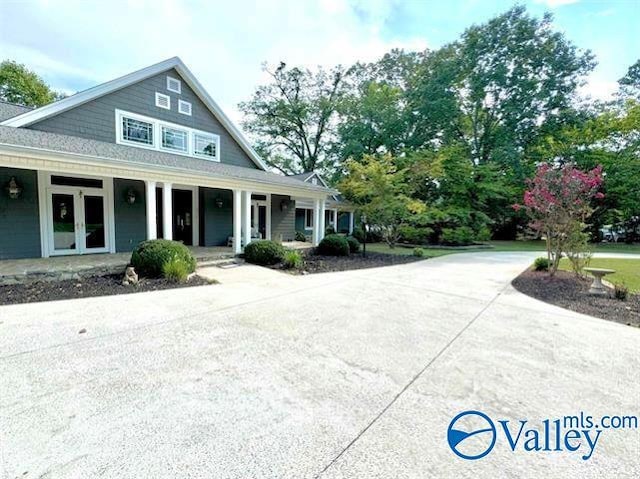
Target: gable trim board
[[90, 94]]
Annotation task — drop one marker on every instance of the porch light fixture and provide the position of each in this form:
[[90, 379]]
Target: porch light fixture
[[13, 189], [131, 196], [219, 202], [284, 205]]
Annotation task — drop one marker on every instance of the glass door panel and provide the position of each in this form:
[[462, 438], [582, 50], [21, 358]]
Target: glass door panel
[[64, 222], [94, 230]]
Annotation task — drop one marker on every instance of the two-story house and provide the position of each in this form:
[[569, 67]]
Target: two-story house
[[148, 155]]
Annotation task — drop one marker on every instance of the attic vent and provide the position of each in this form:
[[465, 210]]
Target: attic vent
[[163, 101], [314, 181], [184, 107], [174, 85]]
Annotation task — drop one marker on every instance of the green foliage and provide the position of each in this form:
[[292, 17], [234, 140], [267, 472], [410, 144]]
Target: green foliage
[[460, 236], [418, 252], [149, 257], [20, 85], [334, 245], [300, 236], [354, 244], [330, 230], [292, 260], [620, 292], [176, 270], [541, 264], [415, 234], [264, 252]]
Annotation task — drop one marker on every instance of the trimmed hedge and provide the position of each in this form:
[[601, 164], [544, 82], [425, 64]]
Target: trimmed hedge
[[334, 245], [264, 252], [354, 244], [149, 257]]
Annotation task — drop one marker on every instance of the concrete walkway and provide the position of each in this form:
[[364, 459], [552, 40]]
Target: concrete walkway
[[341, 375]]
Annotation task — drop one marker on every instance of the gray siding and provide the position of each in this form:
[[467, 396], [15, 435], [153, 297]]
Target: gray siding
[[283, 223], [19, 224], [95, 120], [130, 219], [216, 224]]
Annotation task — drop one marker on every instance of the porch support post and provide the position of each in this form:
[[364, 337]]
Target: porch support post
[[322, 225], [237, 224], [268, 218], [150, 190], [167, 212], [246, 217], [316, 222], [351, 216], [335, 220]]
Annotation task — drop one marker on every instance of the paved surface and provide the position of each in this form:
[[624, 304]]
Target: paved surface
[[341, 375]]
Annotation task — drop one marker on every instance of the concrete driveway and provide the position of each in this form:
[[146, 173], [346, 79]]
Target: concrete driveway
[[350, 375]]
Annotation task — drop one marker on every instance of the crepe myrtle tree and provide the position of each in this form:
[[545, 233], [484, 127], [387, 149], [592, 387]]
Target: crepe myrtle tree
[[558, 201]]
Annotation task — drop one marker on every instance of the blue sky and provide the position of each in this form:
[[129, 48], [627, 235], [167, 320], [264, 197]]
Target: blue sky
[[75, 44]]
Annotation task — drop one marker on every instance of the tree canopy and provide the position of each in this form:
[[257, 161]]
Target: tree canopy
[[22, 86]]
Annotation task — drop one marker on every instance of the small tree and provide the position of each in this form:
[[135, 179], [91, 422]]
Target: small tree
[[380, 189], [20, 85], [558, 201]]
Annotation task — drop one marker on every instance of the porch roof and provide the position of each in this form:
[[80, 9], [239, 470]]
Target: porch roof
[[28, 141]]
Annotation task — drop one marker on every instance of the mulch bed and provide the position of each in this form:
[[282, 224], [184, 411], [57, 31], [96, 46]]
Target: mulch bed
[[325, 264], [86, 288], [568, 291]]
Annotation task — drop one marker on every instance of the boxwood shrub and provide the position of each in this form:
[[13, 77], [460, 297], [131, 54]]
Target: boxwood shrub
[[264, 252], [354, 244], [149, 257], [334, 245]]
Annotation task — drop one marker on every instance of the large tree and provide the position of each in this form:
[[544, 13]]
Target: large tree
[[22, 86], [292, 118]]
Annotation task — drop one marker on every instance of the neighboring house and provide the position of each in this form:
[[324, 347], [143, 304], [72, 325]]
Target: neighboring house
[[338, 213], [148, 155]]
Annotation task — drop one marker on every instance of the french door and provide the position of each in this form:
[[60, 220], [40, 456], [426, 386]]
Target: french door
[[77, 221]]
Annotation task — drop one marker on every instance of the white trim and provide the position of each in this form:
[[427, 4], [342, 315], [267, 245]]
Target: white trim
[[167, 211], [237, 221], [178, 82], [167, 99], [157, 136], [268, 220], [78, 99], [316, 221], [151, 210], [43, 213], [308, 226], [182, 104], [246, 217]]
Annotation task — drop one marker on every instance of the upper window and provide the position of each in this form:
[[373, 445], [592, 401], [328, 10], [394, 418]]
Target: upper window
[[174, 139], [184, 107], [137, 131], [205, 144], [174, 85], [163, 101]]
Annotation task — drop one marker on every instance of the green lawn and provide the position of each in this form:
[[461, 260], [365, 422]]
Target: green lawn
[[500, 246], [627, 270]]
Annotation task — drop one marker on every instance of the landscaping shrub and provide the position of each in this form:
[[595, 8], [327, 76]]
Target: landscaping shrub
[[620, 292], [264, 252], [175, 270], [292, 260], [300, 236], [149, 257], [329, 230], [415, 235], [541, 264], [354, 244], [460, 236], [334, 245], [418, 252]]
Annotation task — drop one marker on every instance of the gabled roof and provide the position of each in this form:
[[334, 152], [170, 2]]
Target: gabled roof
[[306, 177], [9, 110], [38, 114]]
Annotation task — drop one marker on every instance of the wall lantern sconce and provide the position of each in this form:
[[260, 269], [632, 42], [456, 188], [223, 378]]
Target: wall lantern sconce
[[284, 205], [219, 202], [131, 196], [13, 189]]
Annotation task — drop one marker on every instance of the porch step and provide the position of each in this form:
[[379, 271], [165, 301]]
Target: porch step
[[220, 263]]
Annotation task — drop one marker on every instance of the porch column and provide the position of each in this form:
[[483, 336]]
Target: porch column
[[150, 190], [351, 216], [323, 226], [268, 217], [167, 212], [237, 224], [246, 217], [335, 220], [316, 222]]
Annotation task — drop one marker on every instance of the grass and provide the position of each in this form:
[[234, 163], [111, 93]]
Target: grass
[[627, 270], [533, 245]]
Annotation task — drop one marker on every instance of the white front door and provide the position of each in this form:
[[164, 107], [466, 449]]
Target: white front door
[[77, 221]]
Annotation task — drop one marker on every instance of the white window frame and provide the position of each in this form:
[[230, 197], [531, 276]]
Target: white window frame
[[182, 103], [162, 96], [157, 136], [164, 126], [308, 215], [179, 83]]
